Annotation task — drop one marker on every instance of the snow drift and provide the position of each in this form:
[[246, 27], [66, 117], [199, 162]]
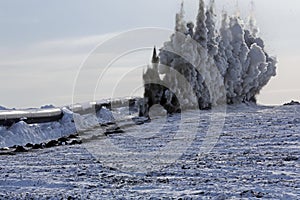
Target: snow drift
[[225, 65], [22, 133]]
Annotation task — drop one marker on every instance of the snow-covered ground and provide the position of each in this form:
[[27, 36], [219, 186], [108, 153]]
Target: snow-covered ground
[[256, 156]]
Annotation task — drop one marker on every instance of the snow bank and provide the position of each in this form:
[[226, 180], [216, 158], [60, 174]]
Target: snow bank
[[22, 133]]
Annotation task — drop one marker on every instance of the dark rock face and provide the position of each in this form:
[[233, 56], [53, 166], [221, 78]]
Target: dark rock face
[[113, 130], [156, 94], [51, 143], [38, 146], [20, 149], [29, 145], [292, 103], [156, 91], [63, 139], [133, 106], [73, 139], [74, 142], [73, 136], [251, 194]]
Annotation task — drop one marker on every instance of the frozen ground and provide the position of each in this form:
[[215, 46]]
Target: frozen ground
[[257, 156]]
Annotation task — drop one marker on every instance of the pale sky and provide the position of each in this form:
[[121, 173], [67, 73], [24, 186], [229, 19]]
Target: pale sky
[[43, 43]]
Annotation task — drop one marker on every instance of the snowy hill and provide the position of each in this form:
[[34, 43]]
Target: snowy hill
[[256, 156]]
